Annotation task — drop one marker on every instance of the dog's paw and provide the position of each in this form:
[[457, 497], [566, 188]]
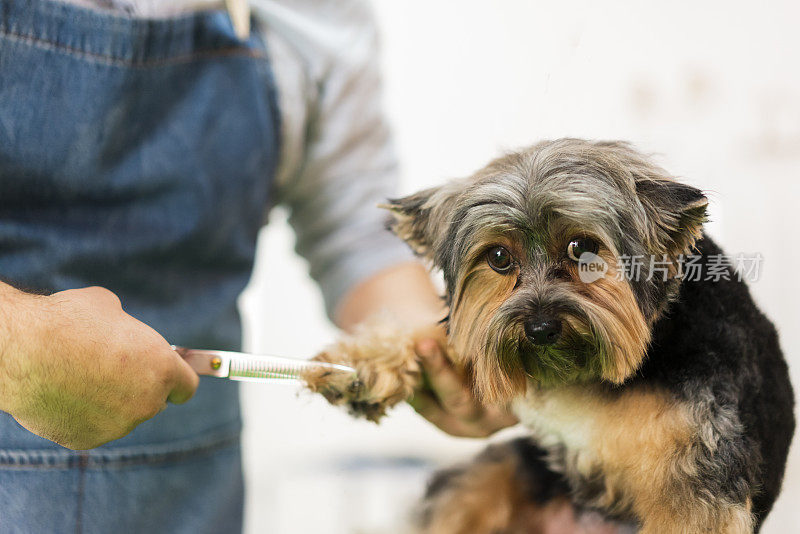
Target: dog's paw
[[386, 371]]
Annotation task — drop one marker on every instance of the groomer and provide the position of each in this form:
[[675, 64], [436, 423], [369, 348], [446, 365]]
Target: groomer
[[142, 144]]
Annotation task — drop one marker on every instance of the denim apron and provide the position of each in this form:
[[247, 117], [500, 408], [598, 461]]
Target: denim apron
[[136, 155]]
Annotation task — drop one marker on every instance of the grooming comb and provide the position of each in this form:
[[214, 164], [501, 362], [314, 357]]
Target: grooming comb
[[256, 367]]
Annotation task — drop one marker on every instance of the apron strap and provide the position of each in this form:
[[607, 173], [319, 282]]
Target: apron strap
[[239, 11]]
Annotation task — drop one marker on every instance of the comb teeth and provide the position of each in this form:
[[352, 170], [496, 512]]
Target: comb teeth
[[263, 368]]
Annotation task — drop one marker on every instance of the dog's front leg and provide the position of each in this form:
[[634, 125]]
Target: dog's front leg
[[387, 369]]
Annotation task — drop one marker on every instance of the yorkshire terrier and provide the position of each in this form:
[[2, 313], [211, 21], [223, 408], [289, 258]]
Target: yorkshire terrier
[[652, 397]]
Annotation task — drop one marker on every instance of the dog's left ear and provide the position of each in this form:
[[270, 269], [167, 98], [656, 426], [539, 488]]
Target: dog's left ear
[[422, 219], [677, 212]]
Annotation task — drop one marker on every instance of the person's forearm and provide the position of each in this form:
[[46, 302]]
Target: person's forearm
[[405, 290]]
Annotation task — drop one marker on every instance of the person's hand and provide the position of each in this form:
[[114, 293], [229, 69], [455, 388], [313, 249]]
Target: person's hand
[[79, 371], [446, 399]]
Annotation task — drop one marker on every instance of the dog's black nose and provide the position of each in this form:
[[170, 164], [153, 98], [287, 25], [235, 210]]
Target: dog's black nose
[[543, 331]]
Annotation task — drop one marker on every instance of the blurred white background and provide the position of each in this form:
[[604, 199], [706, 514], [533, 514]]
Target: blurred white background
[[713, 87]]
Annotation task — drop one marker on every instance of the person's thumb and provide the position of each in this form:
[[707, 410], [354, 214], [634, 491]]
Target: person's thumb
[[185, 381], [429, 350]]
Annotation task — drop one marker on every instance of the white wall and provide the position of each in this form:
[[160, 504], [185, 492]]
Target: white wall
[[714, 87]]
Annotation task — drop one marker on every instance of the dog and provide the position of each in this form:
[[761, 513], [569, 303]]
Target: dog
[[650, 396]]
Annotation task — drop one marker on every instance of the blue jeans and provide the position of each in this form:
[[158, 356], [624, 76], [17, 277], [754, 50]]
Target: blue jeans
[[137, 155]]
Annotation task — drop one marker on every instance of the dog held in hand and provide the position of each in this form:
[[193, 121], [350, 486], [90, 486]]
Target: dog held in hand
[[651, 396]]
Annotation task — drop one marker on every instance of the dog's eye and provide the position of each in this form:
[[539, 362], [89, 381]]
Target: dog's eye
[[500, 259], [579, 245]]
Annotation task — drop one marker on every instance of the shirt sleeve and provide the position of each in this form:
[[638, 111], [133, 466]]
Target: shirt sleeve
[[338, 161]]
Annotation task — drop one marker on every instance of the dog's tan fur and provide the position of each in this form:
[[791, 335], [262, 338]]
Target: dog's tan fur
[[613, 304], [480, 295], [642, 443]]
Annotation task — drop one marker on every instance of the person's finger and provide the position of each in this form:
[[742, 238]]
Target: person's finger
[[424, 403], [429, 408], [446, 382], [185, 381], [500, 417], [427, 348]]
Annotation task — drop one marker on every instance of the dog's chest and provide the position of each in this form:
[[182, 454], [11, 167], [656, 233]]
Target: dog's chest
[[622, 434], [558, 417]]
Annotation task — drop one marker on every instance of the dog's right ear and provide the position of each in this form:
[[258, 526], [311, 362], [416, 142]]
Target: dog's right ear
[[422, 219]]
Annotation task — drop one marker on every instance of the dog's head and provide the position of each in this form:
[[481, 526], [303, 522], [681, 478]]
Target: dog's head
[[549, 257]]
